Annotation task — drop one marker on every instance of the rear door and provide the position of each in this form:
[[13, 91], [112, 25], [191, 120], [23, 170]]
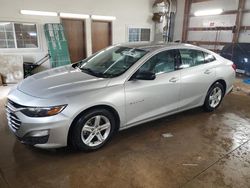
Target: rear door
[[198, 71], [150, 98]]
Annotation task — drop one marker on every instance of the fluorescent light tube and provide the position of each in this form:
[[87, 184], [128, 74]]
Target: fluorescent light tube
[[208, 12], [29, 24], [4, 23], [70, 15], [38, 13], [97, 17], [33, 34]]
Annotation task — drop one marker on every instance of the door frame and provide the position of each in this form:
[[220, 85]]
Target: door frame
[[84, 28], [110, 32]]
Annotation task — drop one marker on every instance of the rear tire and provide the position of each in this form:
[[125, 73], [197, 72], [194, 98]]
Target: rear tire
[[214, 97], [92, 130]]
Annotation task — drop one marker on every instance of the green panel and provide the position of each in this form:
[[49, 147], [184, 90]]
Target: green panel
[[57, 44]]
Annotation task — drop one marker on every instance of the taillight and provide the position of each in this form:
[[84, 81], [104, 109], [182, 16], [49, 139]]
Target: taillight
[[234, 67]]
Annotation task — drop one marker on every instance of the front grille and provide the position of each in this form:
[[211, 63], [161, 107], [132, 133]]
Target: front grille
[[14, 104], [13, 121]]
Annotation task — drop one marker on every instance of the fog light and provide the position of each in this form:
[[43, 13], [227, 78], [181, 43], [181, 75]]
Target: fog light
[[39, 133]]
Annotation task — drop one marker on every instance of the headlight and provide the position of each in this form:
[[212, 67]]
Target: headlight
[[42, 111]]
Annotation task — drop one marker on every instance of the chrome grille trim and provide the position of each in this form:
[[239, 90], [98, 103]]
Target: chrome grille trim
[[13, 121], [16, 119]]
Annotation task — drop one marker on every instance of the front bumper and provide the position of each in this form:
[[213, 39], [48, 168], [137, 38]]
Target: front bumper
[[31, 140], [44, 132]]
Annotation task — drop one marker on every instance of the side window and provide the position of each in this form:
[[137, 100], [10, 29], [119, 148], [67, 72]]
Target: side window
[[162, 62], [191, 58], [208, 57]]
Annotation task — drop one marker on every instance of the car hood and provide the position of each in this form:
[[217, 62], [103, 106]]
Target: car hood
[[63, 81]]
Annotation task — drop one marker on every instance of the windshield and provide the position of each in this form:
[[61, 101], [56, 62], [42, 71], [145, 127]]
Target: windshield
[[111, 62]]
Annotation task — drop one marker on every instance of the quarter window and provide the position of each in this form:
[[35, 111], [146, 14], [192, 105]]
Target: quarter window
[[208, 57], [163, 62], [191, 58]]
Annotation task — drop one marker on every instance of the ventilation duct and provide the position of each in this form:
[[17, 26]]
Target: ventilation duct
[[164, 16]]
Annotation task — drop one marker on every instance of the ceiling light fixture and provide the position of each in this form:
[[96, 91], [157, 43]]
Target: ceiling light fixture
[[97, 17], [71, 15], [38, 13], [208, 12]]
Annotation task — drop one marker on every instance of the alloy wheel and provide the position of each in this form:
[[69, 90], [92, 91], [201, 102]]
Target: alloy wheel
[[215, 97], [96, 130]]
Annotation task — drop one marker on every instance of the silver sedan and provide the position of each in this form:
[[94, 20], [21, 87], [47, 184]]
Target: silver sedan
[[82, 105]]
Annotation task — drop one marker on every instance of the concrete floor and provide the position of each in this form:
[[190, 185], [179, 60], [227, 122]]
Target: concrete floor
[[206, 150]]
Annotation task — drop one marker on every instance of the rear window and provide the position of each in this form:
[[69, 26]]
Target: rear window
[[191, 58]]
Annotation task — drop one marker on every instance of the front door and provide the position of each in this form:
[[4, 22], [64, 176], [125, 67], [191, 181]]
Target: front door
[[146, 99], [101, 35]]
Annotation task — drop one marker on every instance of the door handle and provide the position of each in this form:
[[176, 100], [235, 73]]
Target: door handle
[[207, 71], [174, 79]]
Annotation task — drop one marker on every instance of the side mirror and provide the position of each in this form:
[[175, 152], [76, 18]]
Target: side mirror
[[144, 75]]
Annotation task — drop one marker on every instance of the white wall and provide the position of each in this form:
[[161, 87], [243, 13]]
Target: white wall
[[127, 12]]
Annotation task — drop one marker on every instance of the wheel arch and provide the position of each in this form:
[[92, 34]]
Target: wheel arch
[[101, 106], [224, 85], [222, 82]]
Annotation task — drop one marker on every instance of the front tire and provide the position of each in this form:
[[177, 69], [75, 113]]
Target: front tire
[[92, 130], [214, 97]]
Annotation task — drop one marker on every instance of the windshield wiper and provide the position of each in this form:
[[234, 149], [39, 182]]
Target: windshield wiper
[[93, 73], [88, 70]]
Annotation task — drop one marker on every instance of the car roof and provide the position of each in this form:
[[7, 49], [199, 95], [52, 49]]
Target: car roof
[[152, 46]]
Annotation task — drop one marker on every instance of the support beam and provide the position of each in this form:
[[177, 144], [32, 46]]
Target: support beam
[[198, 1], [238, 21], [244, 28], [229, 28], [210, 28], [208, 43], [186, 20]]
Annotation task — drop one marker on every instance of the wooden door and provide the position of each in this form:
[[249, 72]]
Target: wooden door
[[75, 34], [101, 35]]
